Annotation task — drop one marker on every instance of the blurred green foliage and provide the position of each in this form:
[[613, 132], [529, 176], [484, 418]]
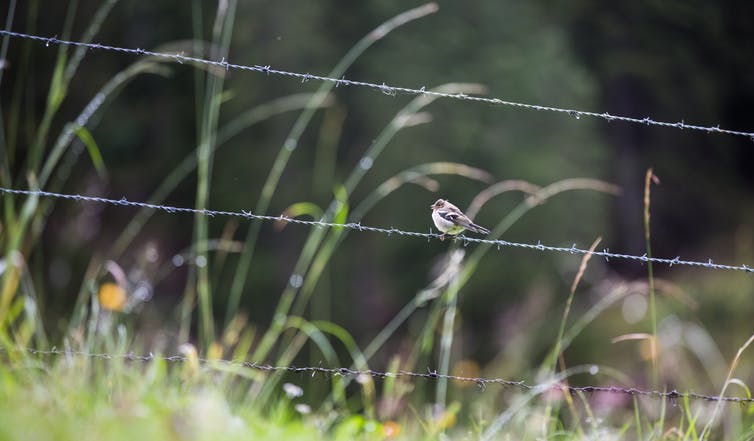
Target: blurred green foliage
[[667, 60]]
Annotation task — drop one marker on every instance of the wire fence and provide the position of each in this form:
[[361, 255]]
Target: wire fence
[[384, 88], [573, 249], [430, 375]]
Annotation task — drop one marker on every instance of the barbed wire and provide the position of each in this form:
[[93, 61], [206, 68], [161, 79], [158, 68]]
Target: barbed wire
[[606, 254], [384, 88], [482, 382]]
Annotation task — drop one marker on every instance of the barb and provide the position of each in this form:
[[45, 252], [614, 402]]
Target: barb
[[482, 382], [389, 231], [384, 88]]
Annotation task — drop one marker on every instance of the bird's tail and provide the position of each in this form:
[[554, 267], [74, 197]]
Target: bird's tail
[[478, 229]]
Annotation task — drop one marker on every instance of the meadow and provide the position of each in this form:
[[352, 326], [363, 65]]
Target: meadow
[[201, 245]]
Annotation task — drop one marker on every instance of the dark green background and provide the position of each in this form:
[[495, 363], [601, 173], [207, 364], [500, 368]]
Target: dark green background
[[668, 60]]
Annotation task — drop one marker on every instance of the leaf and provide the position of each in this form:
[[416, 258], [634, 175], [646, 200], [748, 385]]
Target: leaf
[[57, 87], [299, 209], [341, 195], [302, 208], [91, 146]]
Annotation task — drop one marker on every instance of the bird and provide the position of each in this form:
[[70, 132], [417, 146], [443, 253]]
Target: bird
[[450, 220]]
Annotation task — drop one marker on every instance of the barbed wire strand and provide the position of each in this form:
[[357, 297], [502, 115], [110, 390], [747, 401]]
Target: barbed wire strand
[[384, 88], [482, 382], [606, 254]]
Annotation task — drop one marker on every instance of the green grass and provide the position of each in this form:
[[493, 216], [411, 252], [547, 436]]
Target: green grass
[[87, 399], [76, 396]]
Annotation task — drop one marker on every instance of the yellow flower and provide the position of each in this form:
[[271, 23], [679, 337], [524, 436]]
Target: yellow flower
[[111, 296], [446, 420]]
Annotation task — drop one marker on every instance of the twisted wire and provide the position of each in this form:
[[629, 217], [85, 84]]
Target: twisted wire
[[384, 88], [573, 249], [482, 382]]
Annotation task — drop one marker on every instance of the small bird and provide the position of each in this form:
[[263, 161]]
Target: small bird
[[450, 220]]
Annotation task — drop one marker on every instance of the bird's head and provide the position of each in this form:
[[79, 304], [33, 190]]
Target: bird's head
[[438, 204]]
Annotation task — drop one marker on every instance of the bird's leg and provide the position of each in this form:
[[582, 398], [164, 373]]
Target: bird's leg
[[442, 237]]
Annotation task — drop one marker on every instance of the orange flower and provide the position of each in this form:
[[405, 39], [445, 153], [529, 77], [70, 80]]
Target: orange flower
[[111, 296], [391, 429]]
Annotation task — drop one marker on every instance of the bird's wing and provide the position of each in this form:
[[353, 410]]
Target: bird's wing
[[461, 219], [455, 217]]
